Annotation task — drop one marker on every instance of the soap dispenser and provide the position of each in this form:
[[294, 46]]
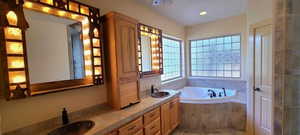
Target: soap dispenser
[[65, 118]]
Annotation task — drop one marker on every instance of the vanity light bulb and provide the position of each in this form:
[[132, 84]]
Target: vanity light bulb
[[13, 33], [14, 48], [74, 16], [17, 64], [28, 4], [61, 13], [18, 79], [46, 9], [12, 18], [97, 71]]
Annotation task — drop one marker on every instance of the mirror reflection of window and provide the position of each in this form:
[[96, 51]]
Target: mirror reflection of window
[[54, 48], [146, 54], [76, 51]]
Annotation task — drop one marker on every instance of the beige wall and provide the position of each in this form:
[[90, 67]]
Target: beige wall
[[227, 26], [258, 10], [20, 113]]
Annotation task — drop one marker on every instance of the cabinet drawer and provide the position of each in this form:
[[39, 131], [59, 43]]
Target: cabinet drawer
[[151, 116], [132, 128], [153, 128]]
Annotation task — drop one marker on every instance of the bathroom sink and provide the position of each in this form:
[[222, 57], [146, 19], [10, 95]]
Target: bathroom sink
[[76, 128], [160, 94]]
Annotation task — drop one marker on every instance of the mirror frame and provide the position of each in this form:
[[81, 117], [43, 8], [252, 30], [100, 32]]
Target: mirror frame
[[155, 35], [15, 82]]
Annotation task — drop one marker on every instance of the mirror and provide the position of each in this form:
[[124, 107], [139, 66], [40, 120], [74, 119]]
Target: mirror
[[146, 54], [150, 51], [49, 46], [54, 48]]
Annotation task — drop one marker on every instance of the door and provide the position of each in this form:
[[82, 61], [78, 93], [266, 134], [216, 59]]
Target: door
[[263, 80]]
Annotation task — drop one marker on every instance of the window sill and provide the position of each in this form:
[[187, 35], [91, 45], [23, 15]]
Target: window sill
[[214, 78], [172, 80]]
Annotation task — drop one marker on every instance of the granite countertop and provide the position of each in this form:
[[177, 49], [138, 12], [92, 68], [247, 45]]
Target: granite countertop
[[107, 119]]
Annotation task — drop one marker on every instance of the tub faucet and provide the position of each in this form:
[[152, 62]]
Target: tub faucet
[[224, 92], [212, 94]]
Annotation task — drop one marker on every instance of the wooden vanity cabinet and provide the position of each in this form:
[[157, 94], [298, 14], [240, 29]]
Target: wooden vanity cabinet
[[159, 121], [132, 128], [120, 33], [170, 116], [152, 122]]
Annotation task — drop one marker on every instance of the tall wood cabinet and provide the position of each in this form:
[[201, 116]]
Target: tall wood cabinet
[[120, 33]]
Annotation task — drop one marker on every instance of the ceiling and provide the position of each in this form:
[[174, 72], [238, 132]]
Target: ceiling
[[186, 12]]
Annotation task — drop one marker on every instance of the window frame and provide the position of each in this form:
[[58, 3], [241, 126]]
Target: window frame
[[181, 61], [216, 77]]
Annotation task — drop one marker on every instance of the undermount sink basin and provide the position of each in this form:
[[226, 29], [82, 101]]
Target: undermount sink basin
[[76, 128], [160, 94]]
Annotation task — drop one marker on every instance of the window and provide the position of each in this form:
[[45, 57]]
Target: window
[[171, 59], [216, 57]]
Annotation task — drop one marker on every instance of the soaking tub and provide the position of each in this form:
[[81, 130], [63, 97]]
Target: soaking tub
[[202, 95], [202, 112]]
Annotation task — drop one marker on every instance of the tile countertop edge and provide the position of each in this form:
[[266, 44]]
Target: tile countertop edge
[[155, 102]]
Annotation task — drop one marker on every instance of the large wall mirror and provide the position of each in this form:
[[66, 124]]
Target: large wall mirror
[[55, 48], [50, 46], [150, 51]]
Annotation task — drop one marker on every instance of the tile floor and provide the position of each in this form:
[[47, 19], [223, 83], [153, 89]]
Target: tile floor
[[217, 132]]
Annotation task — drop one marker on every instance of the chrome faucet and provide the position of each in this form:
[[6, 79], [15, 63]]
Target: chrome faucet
[[153, 90], [212, 94], [224, 92]]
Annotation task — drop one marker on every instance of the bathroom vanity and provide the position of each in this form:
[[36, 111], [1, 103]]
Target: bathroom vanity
[[161, 120], [152, 116]]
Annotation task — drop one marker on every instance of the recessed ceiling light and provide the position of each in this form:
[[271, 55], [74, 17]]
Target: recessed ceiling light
[[203, 13]]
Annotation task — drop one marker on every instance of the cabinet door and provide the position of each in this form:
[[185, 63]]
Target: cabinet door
[[126, 50], [127, 60], [174, 113], [165, 119]]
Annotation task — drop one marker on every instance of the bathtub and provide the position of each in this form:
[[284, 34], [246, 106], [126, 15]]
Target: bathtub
[[201, 95], [206, 114]]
